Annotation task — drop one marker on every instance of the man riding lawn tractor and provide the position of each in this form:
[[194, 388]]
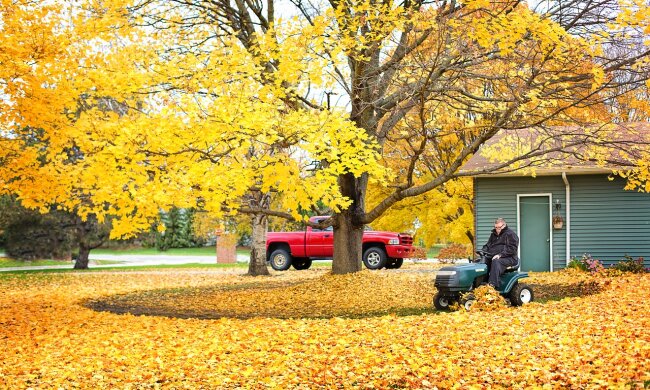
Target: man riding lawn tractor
[[497, 266]]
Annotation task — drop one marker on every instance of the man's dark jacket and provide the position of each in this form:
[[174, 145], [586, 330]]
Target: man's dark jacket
[[504, 244]]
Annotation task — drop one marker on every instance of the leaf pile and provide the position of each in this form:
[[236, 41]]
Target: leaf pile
[[486, 298], [48, 339]]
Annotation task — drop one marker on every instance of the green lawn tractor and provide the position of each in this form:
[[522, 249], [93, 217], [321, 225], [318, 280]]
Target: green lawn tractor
[[455, 284]]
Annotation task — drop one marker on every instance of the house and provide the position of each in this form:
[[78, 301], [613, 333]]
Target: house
[[576, 188]]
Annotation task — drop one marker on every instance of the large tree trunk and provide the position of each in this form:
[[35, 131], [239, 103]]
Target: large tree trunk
[[257, 264], [347, 244], [90, 235], [348, 226], [82, 259]]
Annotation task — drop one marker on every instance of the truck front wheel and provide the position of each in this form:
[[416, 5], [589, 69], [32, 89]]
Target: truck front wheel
[[374, 258], [280, 259]]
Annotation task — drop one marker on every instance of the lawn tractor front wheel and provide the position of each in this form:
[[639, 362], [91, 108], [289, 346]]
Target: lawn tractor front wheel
[[467, 301], [442, 302]]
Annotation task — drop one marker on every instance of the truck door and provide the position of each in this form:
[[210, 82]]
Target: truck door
[[320, 243]]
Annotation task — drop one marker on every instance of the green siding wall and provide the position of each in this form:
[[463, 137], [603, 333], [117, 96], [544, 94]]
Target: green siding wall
[[608, 222], [497, 197]]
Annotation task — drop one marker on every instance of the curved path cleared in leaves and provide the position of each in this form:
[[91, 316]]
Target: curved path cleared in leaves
[[317, 294]]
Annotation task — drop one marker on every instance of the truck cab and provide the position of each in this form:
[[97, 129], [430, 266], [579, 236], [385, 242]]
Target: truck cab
[[298, 249]]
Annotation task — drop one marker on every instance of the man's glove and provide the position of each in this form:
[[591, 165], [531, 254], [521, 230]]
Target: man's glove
[[496, 257]]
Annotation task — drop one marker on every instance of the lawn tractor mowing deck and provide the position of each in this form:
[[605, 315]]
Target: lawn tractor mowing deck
[[455, 284]]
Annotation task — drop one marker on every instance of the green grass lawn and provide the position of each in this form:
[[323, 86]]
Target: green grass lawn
[[202, 251], [125, 269], [316, 264], [6, 262]]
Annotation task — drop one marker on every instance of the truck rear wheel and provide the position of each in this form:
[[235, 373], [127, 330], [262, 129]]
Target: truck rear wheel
[[280, 259], [301, 263], [374, 258]]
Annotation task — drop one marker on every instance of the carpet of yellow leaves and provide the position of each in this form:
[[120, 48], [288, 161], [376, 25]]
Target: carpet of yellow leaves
[[49, 339]]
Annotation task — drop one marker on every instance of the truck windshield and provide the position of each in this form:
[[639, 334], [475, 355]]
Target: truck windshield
[[327, 229]]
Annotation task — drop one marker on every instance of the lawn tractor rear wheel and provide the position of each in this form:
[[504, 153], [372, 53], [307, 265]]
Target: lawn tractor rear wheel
[[520, 294]]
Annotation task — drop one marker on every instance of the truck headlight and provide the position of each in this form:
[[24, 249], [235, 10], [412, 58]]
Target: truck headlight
[[446, 273], [393, 241]]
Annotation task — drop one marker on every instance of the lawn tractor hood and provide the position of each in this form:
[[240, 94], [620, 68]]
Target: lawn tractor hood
[[459, 277]]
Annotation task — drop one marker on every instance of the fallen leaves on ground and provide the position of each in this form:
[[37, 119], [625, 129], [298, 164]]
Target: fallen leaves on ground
[[48, 339], [361, 294], [485, 298]]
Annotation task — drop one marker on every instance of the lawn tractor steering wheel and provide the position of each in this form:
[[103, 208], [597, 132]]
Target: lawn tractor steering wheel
[[484, 257]]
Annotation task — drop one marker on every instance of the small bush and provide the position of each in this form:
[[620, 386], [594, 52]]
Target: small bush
[[576, 263], [628, 264], [419, 254], [453, 252], [587, 263]]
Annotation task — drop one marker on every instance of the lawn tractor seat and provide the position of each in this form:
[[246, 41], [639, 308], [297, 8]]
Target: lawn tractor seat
[[514, 267]]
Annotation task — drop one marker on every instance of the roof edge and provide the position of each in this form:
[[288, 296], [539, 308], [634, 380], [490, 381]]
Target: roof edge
[[549, 172]]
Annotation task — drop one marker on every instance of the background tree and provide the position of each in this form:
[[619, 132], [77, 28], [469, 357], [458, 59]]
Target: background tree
[[149, 122], [58, 234], [31, 236], [89, 234], [178, 231], [435, 81], [49, 57], [443, 215], [227, 102]]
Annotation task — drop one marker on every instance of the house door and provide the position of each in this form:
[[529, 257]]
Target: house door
[[535, 233]]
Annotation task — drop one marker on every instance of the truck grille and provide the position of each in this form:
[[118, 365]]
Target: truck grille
[[405, 239]]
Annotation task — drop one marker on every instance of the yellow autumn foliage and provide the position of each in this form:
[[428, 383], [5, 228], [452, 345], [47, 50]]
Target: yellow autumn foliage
[[443, 215], [118, 122], [49, 339]]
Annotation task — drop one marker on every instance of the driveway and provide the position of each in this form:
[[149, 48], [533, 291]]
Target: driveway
[[132, 260], [142, 260]]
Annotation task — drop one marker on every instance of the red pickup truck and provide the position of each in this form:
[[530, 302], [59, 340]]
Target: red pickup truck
[[297, 249]]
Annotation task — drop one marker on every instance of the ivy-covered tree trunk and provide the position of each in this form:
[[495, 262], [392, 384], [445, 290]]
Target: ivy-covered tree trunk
[[257, 265]]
